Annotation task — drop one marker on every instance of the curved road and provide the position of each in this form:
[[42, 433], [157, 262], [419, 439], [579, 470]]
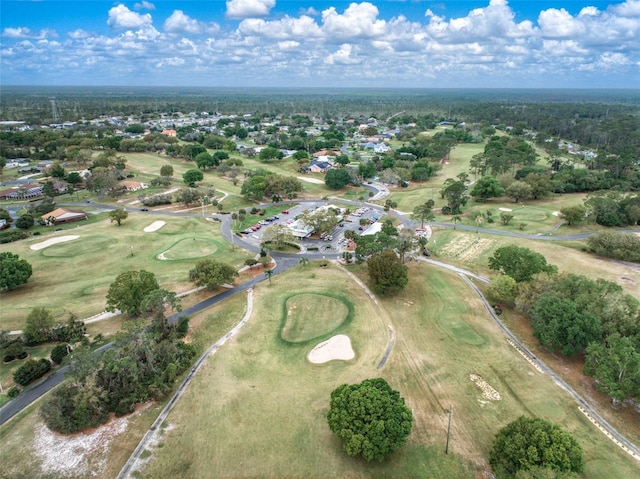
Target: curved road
[[286, 261]]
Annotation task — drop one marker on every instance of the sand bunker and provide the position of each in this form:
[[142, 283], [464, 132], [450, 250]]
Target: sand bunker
[[53, 241], [556, 213], [155, 226], [505, 209], [487, 391], [337, 347]]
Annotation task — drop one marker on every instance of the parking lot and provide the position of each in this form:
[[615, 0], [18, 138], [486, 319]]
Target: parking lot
[[332, 242]]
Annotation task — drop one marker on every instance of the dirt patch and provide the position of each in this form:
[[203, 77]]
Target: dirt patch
[[52, 241], [81, 454], [487, 391], [337, 347], [155, 226], [467, 248]]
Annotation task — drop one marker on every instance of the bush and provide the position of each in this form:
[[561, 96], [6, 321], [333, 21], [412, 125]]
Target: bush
[[13, 392], [13, 350], [13, 235], [31, 370], [59, 352]]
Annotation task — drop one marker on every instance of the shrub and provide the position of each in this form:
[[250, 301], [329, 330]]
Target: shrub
[[13, 350], [59, 352], [13, 235], [13, 392], [31, 370]]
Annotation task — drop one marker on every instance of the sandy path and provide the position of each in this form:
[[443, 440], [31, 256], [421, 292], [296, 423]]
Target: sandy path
[[155, 226], [311, 180], [52, 241]]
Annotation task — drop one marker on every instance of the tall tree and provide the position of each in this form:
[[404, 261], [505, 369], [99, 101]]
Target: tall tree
[[337, 178], [455, 192], [519, 263], [118, 215], [371, 418], [211, 273], [166, 171], [129, 289], [38, 326], [387, 273], [13, 271], [423, 212], [487, 187], [527, 443], [190, 177]]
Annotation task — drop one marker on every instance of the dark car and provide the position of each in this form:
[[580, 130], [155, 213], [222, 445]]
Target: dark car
[[144, 209]]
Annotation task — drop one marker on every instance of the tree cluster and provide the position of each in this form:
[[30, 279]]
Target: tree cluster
[[143, 367], [610, 244], [576, 315], [537, 446]]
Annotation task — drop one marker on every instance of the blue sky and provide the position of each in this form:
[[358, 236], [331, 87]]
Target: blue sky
[[395, 43]]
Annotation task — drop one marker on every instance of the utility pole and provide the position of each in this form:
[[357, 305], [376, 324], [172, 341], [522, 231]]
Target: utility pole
[[446, 449]]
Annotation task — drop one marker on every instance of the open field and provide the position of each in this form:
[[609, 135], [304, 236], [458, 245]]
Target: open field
[[265, 408], [75, 275]]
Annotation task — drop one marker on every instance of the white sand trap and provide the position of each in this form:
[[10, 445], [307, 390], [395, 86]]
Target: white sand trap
[[53, 241], [311, 180], [155, 226], [556, 213], [505, 209], [337, 347]]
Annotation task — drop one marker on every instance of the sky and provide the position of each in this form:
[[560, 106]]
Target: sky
[[318, 43]]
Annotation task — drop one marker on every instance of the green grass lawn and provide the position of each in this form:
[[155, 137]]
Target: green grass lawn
[[75, 276]]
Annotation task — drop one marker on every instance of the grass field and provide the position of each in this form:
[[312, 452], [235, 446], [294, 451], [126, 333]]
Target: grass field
[[265, 409], [75, 276]]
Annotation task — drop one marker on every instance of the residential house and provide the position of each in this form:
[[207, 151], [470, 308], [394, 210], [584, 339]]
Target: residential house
[[170, 132], [319, 166]]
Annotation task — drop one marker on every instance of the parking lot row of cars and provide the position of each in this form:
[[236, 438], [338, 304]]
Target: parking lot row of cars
[[264, 222]]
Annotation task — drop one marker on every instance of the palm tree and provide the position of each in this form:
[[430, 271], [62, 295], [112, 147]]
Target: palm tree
[[455, 219], [268, 273]]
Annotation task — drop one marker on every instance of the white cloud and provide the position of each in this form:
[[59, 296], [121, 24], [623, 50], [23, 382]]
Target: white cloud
[[287, 27], [249, 8], [359, 20], [144, 5], [122, 17], [342, 56], [178, 22], [559, 24], [496, 21], [24, 32], [630, 8]]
